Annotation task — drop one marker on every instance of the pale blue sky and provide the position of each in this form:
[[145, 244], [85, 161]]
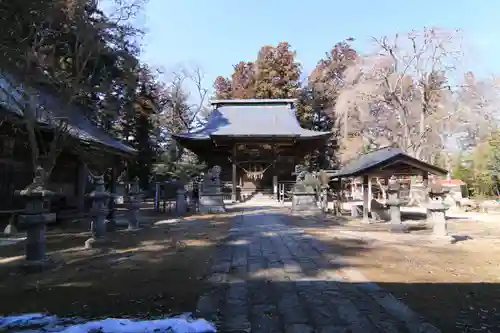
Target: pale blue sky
[[217, 34]]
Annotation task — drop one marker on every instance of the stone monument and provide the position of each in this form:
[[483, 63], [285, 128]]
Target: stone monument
[[99, 211], [34, 220], [304, 201], [210, 192]]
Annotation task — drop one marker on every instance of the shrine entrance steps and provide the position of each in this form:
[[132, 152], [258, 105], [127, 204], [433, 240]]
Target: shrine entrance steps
[[270, 277], [261, 200]]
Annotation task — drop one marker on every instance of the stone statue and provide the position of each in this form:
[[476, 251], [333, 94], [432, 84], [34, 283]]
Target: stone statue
[[38, 183], [299, 172], [215, 171]]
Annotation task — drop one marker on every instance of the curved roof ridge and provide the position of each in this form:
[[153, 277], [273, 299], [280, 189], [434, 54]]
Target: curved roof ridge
[[261, 120]]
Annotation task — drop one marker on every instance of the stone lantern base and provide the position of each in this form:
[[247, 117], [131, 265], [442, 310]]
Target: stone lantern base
[[399, 228], [37, 266], [442, 239]]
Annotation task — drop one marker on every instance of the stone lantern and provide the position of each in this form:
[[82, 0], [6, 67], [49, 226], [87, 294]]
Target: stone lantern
[[437, 212], [35, 219], [394, 203], [99, 211]]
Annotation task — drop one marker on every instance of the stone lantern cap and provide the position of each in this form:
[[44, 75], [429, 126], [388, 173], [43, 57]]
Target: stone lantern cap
[[437, 189], [393, 185]]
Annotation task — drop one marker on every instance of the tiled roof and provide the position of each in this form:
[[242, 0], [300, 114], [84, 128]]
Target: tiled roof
[[372, 160], [258, 118], [49, 106]]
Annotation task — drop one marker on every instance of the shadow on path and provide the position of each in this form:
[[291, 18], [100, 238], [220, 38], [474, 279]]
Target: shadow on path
[[270, 277]]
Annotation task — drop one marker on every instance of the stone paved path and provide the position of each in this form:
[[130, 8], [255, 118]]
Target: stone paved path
[[269, 277]]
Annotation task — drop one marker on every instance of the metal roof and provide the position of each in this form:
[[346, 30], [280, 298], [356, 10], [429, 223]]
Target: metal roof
[[48, 106], [369, 161], [252, 118]]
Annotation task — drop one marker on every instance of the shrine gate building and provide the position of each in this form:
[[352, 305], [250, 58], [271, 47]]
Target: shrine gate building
[[256, 142]]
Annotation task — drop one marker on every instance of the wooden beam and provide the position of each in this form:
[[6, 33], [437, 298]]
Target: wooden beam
[[233, 192], [365, 199]]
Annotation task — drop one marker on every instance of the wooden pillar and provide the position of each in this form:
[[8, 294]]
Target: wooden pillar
[[425, 183], [234, 174], [81, 186], [365, 199], [386, 184], [370, 194], [111, 224], [353, 188], [275, 175]]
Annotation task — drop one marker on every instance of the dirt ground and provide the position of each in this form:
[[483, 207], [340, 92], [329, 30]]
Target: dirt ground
[[151, 272], [454, 286]]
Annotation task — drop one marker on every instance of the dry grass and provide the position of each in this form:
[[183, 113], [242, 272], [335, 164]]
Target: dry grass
[[154, 271], [454, 286]]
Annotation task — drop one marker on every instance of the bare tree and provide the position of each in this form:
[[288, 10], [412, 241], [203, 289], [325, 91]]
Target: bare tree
[[185, 100], [401, 93], [60, 63], [476, 108]]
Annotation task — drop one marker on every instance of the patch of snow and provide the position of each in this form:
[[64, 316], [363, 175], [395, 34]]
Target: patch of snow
[[37, 323]]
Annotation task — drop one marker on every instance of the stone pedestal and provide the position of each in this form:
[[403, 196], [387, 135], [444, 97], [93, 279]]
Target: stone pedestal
[[304, 203], [211, 203], [99, 212], [211, 197], [393, 188], [34, 220], [133, 206], [323, 199]]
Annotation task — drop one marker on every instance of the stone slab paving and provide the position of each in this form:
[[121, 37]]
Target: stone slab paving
[[270, 277]]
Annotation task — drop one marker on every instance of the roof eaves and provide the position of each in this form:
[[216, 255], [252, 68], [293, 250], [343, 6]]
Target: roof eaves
[[253, 101], [360, 171], [77, 129]]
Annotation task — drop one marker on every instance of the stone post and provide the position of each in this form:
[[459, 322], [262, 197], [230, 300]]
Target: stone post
[[393, 188], [324, 199], [99, 211], [133, 206], [35, 219], [180, 202], [437, 213], [110, 223]]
